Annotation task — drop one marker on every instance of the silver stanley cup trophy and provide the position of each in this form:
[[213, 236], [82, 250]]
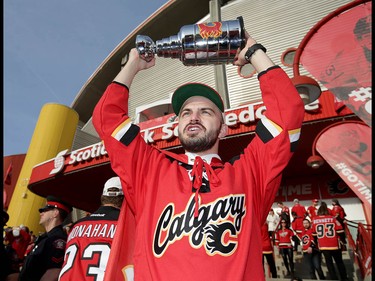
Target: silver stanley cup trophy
[[197, 44]]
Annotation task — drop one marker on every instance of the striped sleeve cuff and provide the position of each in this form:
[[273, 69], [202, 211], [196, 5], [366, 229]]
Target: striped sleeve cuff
[[126, 132], [268, 130]]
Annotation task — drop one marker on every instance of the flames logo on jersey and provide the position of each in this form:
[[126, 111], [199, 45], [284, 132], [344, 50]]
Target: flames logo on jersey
[[213, 231], [305, 240], [212, 29], [216, 228]]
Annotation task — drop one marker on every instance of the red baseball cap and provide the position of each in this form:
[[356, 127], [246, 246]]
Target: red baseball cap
[[315, 200]]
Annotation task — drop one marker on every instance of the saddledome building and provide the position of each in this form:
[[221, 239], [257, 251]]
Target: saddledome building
[[75, 165]]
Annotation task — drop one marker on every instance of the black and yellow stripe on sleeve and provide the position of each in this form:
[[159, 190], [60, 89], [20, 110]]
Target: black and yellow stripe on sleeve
[[126, 132], [268, 130]]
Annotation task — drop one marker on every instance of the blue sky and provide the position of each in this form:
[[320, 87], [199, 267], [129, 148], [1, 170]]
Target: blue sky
[[51, 48]]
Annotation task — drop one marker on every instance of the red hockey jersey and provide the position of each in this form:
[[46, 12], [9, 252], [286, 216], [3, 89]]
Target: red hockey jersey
[[283, 238], [224, 241], [311, 210], [297, 226], [338, 211], [307, 239], [88, 246], [299, 210], [326, 228]]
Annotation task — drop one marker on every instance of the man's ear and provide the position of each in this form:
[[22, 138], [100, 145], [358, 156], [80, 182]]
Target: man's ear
[[223, 131], [56, 212]]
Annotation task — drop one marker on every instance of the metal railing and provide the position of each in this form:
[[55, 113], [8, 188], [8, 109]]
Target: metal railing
[[362, 246]]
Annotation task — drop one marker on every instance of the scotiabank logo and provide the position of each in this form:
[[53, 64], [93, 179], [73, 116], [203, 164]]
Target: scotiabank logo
[[85, 154], [59, 162]]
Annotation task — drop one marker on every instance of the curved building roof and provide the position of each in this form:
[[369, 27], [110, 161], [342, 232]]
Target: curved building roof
[[164, 22]]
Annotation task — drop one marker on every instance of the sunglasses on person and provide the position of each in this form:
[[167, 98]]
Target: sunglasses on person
[[283, 222], [46, 208]]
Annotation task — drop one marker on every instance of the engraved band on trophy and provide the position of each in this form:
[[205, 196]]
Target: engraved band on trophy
[[197, 44]]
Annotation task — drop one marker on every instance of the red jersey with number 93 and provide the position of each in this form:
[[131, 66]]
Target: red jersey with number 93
[[326, 228]]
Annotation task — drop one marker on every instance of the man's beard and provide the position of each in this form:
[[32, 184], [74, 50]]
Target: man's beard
[[200, 144]]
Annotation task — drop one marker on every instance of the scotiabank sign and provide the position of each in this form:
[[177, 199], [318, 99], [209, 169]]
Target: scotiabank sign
[[239, 120], [94, 151], [82, 156]]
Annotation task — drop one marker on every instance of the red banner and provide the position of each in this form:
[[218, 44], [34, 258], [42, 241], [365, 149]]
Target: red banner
[[346, 147], [338, 54]]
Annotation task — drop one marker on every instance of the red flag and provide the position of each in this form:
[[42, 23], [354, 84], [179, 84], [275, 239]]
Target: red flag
[[338, 54], [120, 263], [8, 175], [347, 148]]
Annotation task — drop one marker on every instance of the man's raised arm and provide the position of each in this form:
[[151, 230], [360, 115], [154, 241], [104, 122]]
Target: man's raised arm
[[284, 105], [111, 112]]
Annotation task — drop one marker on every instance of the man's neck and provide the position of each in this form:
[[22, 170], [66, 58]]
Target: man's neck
[[206, 157], [110, 205], [50, 226]]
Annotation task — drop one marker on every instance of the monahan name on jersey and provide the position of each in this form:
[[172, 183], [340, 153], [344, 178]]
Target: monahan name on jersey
[[93, 230]]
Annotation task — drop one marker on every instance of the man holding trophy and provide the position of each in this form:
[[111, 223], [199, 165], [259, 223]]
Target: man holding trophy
[[198, 218]]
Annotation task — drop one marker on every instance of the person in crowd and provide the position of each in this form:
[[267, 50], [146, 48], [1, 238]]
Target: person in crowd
[[9, 259], [83, 237], [297, 227], [312, 256], [272, 221], [327, 229], [31, 245], [19, 238], [283, 212], [45, 261], [313, 208], [339, 213], [171, 194], [299, 209], [283, 239], [268, 251]]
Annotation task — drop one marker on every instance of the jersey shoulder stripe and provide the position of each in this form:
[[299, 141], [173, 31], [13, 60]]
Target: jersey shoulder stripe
[[266, 129], [294, 136], [126, 132]]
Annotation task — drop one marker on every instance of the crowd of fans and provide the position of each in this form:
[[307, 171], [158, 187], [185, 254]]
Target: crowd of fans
[[302, 233], [311, 232], [18, 242]]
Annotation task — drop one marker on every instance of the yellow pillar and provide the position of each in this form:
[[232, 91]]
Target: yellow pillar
[[54, 132]]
